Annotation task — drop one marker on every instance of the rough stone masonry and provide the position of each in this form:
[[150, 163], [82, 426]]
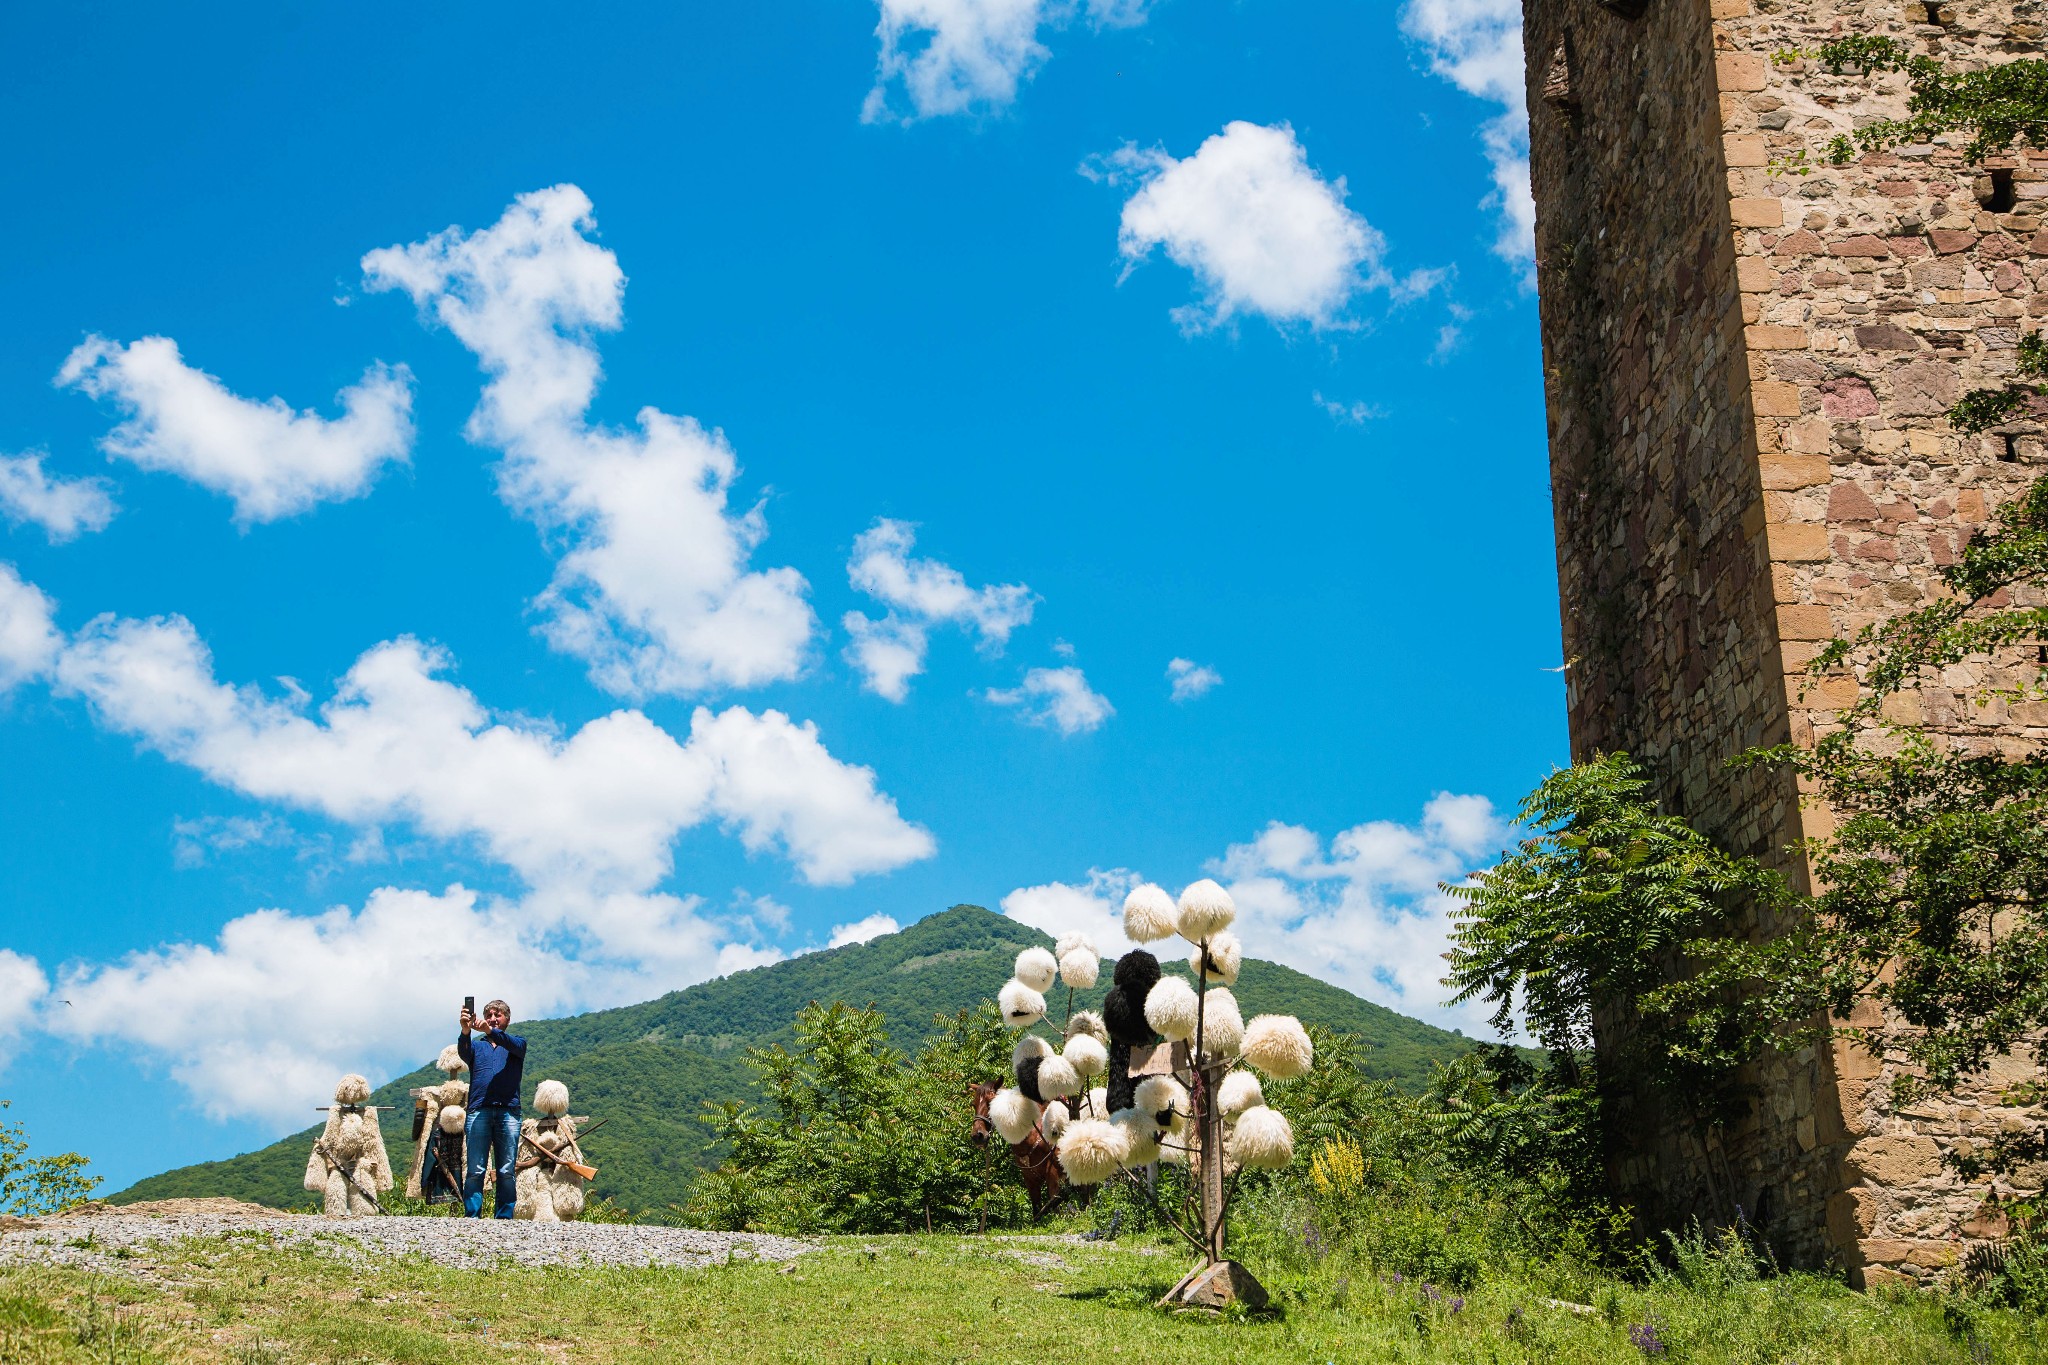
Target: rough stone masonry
[[1747, 370]]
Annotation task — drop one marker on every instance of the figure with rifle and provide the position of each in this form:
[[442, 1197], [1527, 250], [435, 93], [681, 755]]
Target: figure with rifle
[[348, 1167], [552, 1172], [497, 1064]]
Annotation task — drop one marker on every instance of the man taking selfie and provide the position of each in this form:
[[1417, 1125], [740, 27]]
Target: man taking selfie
[[496, 1063]]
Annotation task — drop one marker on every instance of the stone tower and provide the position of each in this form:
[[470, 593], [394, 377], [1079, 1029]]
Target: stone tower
[[1747, 370]]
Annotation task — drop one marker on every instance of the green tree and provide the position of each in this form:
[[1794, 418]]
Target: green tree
[[851, 1136], [39, 1184], [1613, 911]]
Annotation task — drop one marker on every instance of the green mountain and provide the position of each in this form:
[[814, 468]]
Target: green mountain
[[650, 1068]]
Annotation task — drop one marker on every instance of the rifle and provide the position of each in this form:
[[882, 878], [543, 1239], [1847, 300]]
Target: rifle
[[587, 1172], [347, 1173]]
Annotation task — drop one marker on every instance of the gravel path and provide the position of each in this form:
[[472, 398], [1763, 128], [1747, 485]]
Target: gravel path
[[100, 1241]]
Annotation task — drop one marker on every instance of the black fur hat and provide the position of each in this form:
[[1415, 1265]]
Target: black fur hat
[[1027, 1079], [1137, 972], [1123, 1010], [1123, 1088]]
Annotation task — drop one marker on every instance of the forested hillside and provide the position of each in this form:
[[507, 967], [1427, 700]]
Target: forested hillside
[[650, 1068]]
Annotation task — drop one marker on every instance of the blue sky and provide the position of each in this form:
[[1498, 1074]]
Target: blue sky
[[505, 502]]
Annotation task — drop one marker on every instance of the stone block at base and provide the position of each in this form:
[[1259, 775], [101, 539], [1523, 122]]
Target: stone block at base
[[1218, 1286]]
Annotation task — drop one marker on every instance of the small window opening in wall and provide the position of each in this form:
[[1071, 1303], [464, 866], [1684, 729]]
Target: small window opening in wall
[[2042, 656], [1933, 8], [2012, 448], [1998, 196]]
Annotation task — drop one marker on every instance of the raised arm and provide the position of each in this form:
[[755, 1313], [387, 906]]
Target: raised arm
[[511, 1043]]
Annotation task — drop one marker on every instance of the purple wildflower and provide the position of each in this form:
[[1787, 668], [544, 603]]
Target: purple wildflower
[[1643, 1336], [1458, 1304]]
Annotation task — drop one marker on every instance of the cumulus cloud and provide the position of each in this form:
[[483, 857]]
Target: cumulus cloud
[[920, 594], [1190, 679], [1361, 910], [953, 56], [272, 461], [247, 1023], [29, 642], [64, 508], [1477, 46], [23, 988], [1353, 414], [1058, 697], [1093, 907], [398, 741], [1261, 232], [654, 590], [861, 930]]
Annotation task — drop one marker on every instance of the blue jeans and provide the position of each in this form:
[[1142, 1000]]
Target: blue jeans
[[487, 1128]]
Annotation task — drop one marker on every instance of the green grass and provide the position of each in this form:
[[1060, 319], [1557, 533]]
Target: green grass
[[650, 1068], [932, 1299]]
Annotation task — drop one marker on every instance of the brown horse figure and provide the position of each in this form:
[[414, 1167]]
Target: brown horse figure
[[1035, 1159]]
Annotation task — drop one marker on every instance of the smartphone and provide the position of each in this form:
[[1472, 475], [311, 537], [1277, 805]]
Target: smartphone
[[469, 1005]]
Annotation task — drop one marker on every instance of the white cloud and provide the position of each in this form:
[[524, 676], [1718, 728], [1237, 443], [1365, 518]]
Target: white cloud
[[64, 508], [23, 988], [598, 810], [861, 930], [653, 591], [1362, 911], [29, 642], [1094, 908], [1477, 46], [920, 594], [261, 1022], [273, 462], [1057, 697], [194, 840], [1260, 230], [952, 56], [1354, 414], [1190, 679]]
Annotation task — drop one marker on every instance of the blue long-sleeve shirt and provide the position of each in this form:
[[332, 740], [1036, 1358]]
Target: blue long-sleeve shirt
[[495, 1069]]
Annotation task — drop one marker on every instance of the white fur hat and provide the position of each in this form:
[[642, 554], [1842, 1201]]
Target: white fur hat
[[1029, 1045], [1149, 914], [351, 1089], [1239, 1092], [1070, 943], [1262, 1138], [451, 1061], [1141, 1136], [1012, 1114], [1053, 1122], [1170, 1008], [1090, 1150], [1278, 1045], [1090, 1023], [1086, 1055], [454, 1092], [1080, 968], [1225, 956], [1222, 1023], [451, 1118], [1160, 1094], [1057, 1078], [551, 1098], [1036, 968], [1021, 1006], [1206, 910]]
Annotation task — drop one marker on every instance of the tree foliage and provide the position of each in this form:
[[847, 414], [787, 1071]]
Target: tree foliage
[[852, 1136], [31, 1185], [1613, 911]]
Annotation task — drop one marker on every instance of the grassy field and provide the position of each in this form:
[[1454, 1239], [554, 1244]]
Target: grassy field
[[927, 1299]]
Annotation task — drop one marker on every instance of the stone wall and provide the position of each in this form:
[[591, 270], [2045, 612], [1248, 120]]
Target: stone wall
[[1747, 369]]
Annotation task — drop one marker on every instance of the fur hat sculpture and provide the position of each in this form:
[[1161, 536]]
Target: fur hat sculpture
[[1132, 1120], [438, 1145], [348, 1167], [547, 1192], [1080, 964]]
